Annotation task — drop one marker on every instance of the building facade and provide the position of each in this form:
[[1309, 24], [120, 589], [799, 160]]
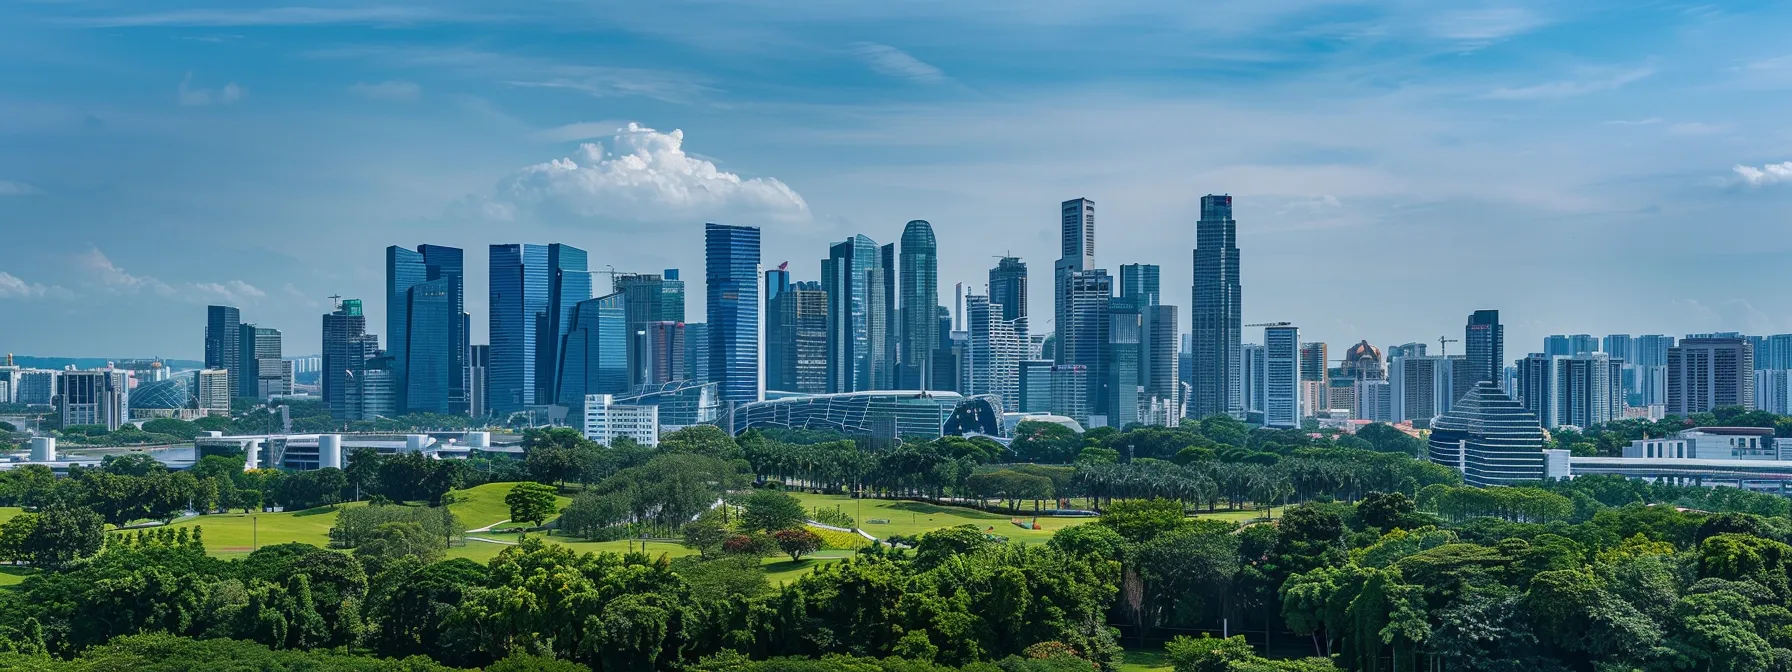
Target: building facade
[[1484, 342], [1281, 380], [605, 421], [101, 398], [223, 345], [211, 391], [1708, 373], [1217, 309], [731, 278], [1490, 438], [519, 292], [344, 331], [919, 284]]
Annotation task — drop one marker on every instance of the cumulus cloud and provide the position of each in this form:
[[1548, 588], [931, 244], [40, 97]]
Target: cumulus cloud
[[396, 90], [10, 188], [1772, 173], [643, 175], [195, 97], [892, 62]]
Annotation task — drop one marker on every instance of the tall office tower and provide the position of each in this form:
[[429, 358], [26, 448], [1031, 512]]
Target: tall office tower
[[1420, 387], [992, 363], [731, 278], [404, 270], [222, 347], [373, 388], [1070, 392], [594, 352], [1251, 362], [800, 340], [343, 330], [920, 280], [1710, 373], [1282, 369], [211, 391], [777, 281], [665, 345], [101, 397], [1651, 361], [446, 349], [1124, 365], [1085, 335], [1484, 339], [569, 284], [845, 275], [1008, 289], [519, 292], [1774, 353], [1217, 308], [1076, 233], [880, 324], [656, 297], [1139, 282], [255, 345], [479, 361], [1035, 387], [1406, 350], [945, 359], [1159, 361], [696, 351], [1373, 399], [1314, 361], [425, 378]]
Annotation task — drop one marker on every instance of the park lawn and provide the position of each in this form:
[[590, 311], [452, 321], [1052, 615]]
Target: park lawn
[[11, 575], [484, 505], [908, 518], [233, 534], [1145, 660], [8, 512]]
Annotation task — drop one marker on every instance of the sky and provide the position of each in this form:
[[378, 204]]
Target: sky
[[1587, 167]]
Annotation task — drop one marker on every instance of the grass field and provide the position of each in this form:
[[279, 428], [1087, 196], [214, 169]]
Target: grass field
[[908, 518], [7, 512], [233, 534], [1145, 660], [484, 505]]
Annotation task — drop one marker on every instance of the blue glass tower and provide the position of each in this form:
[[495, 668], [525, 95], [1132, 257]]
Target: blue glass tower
[[448, 264], [519, 292], [434, 326], [594, 357], [731, 276], [404, 270], [569, 282], [846, 275]]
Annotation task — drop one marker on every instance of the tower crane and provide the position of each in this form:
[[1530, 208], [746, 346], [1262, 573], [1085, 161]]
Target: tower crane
[[1443, 344]]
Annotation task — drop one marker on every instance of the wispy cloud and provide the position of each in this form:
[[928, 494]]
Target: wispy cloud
[[195, 97], [600, 81], [892, 62], [396, 90], [1649, 121], [279, 16], [1772, 173], [583, 130], [1592, 82], [10, 188], [14, 287], [115, 280], [229, 291], [1484, 25]]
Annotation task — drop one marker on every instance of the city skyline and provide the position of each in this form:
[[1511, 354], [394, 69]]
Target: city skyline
[[1442, 128]]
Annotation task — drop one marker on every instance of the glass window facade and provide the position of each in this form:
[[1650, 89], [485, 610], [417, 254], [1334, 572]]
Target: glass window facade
[[731, 276], [519, 292]]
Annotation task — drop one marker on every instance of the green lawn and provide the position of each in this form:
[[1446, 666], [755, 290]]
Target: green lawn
[[231, 534], [7, 512], [1145, 660], [484, 505], [12, 576], [908, 518]]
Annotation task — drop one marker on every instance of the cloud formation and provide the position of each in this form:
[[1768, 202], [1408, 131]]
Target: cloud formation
[[1772, 173], [229, 291], [892, 62], [396, 90], [14, 287], [118, 281], [1592, 82], [644, 175], [193, 97]]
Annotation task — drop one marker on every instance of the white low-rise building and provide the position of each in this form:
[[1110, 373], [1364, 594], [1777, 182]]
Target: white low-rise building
[[606, 420]]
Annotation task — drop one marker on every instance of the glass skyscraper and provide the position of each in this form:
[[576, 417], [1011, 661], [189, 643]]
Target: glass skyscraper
[[404, 270], [846, 275], [920, 298], [1008, 288], [519, 292], [449, 349], [345, 330], [569, 283], [1484, 341], [1217, 309], [223, 349], [731, 278], [594, 356], [426, 328], [649, 298], [1139, 284]]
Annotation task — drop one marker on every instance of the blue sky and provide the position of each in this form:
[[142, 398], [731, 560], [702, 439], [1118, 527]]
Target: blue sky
[[1583, 167]]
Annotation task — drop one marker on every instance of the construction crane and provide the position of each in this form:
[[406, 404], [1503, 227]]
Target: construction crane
[[1443, 344], [335, 301]]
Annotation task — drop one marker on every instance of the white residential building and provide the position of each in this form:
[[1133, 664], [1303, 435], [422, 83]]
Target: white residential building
[[605, 421]]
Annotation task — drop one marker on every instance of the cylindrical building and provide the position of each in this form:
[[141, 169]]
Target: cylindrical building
[[329, 451], [43, 449]]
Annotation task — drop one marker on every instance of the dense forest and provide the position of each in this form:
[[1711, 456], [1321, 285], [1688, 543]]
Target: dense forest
[[1370, 561]]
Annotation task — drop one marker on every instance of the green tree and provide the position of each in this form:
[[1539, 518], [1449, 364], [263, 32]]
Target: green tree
[[770, 511], [705, 440], [705, 534], [532, 503], [63, 535], [1046, 442], [797, 542]]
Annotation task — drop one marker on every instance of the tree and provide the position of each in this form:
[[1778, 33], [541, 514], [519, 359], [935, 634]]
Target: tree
[[15, 535], [532, 503], [705, 440], [63, 535], [772, 510], [705, 534], [797, 542], [1046, 442], [391, 541]]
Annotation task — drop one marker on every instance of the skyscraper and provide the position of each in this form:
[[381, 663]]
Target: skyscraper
[[800, 340], [1484, 339], [1217, 309], [993, 359], [920, 291], [102, 397], [1125, 346], [258, 348], [1077, 235], [594, 352], [846, 275], [1421, 387], [1139, 284], [343, 331], [519, 292], [1160, 360], [1652, 369], [655, 297], [886, 370], [479, 360], [696, 351], [1706, 373], [1250, 378], [1569, 346], [1281, 376], [404, 270], [1084, 336], [222, 344], [1008, 289], [1489, 437], [569, 284], [426, 328], [731, 278]]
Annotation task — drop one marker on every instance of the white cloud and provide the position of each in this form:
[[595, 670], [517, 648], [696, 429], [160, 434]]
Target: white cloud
[[13, 287], [9, 188], [892, 62], [1484, 25], [1592, 82], [229, 291], [583, 130], [643, 175], [1772, 173], [193, 97], [396, 90], [118, 281]]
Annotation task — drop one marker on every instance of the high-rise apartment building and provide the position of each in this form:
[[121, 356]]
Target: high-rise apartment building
[[920, 289], [1774, 353], [256, 346], [1651, 363], [1373, 400], [1569, 346], [1706, 373], [731, 278], [992, 362], [102, 397], [211, 391], [1773, 391], [1578, 390], [847, 275], [343, 332], [1282, 363], [223, 340], [1484, 341], [519, 293], [1421, 387], [1217, 309], [1008, 289]]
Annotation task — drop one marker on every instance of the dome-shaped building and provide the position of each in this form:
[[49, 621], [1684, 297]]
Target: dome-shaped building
[[1363, 362]]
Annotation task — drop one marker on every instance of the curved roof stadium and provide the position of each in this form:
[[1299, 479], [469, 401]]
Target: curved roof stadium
[[916, 413]]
